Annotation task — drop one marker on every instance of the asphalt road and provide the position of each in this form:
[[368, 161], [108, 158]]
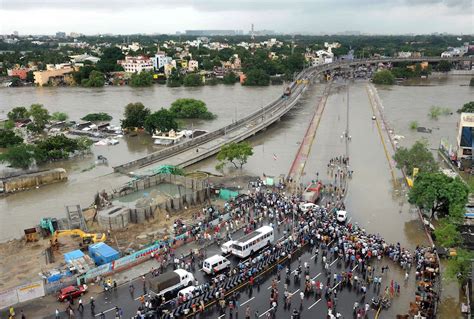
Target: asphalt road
[[258, 298]]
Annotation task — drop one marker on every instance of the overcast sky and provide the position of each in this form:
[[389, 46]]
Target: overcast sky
[[169, 16]]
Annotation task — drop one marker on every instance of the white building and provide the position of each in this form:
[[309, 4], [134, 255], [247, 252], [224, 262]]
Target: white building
[[133, 64], [81, 58], [454, 52], [193, 65], [160, 60]]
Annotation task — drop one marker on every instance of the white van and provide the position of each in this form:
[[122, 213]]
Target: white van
[[215, 264]]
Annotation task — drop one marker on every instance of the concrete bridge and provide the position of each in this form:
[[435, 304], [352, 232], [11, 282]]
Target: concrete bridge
[[206, 145]]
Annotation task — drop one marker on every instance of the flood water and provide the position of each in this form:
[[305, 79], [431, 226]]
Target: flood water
[[85, 176], [372, 201]]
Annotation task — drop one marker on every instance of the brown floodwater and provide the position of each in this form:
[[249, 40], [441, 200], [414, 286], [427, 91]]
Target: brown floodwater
[[86, 177]]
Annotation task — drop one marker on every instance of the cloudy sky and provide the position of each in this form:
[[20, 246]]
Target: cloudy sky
[[169, 16]]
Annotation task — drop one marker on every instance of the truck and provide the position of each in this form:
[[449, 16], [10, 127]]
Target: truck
[[312, 192], [169, 283]]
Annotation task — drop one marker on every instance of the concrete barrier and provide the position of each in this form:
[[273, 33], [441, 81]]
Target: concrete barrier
[[33, 180]]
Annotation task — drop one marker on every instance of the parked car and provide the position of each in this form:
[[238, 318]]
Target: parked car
[[341, 216], [71, 292]]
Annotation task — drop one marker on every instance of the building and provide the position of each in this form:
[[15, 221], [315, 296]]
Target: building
[[465, 137], [455, 52], [193, 65], [60, 35], [54, 76], [160, 60], [81, 58], [20, 73], [133, 64]]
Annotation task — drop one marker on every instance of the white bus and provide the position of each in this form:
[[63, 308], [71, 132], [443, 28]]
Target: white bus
[[248, 244]]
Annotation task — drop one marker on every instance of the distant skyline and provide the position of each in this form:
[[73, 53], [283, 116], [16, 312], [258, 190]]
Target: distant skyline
[[297, 16]]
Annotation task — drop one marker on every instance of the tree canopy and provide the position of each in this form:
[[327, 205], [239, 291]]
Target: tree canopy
[[8, 138], [192, 79], [256, 77], [96, 79], [444, 66], [439, 194], [383, 77], [135, 115], [162, 120], [97, 117], [18, 113], [59, 116], [19, 156], [446, 233], [235, 153], [466, 108], [418, 156], [108, 60], [141, 79], [175, 79], [459, 266], [40, 117], [230, 78], [190, 108]]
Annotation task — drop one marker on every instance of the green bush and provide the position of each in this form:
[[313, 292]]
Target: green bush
[[97, 117], [384, 77], [413, 125], [192, 79], [191, 108]]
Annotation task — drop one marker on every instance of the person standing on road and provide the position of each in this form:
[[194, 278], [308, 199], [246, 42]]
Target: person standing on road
[[80, 307], [302, 299], [247, 312], [56, 314]]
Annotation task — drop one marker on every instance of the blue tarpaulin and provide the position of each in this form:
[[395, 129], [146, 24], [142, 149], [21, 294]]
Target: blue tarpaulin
[[75, 254]]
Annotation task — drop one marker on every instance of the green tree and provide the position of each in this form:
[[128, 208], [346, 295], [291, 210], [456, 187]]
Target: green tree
[[30, 77], [8, 138], [471, 82], [235, 153], [162, 120], [418, 156], [439, 194], [40, 117], [135, 115], [97, 117], [96, 79], [466, 108], [230, 78], [59, 116], [190, 108], [19, 156], [174, 79], [18, 113], [141, 79], [459, 267], [383, 77], [108, 60], [446, 233], [444, 66], [192, 79], [15, 82], [257, 77]]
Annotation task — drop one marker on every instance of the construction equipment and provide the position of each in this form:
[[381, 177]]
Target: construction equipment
[[49, 224], [86, 237]]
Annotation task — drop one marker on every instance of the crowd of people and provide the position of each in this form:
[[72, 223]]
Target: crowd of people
[[318, 229]]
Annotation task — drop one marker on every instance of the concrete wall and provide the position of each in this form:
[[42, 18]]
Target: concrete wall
[[114, 218], [27, 181]]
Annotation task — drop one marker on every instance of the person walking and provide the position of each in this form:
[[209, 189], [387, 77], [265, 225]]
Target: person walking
[[56, 314], [80, 307]]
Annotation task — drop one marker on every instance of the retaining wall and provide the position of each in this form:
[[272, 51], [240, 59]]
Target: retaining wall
[[33, 180]]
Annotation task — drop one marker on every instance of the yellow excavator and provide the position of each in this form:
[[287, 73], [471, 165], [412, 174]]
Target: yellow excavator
[[86, 237]]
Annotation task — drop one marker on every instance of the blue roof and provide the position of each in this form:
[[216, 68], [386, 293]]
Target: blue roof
[[75, 254], [102, 249]]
